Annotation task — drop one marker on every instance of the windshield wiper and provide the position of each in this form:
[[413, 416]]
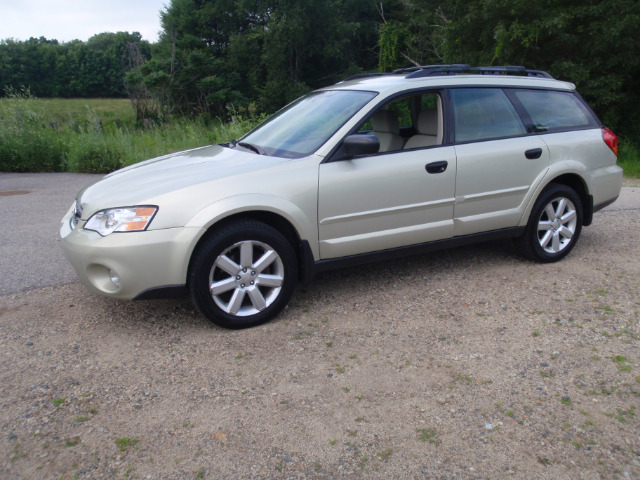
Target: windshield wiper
[[252, 147]]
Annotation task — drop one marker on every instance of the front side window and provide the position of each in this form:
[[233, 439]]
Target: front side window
[[305, 125], [553, 110], [484, 113], [413, 121]]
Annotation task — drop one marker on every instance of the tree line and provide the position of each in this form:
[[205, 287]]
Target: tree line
[[218, 57]]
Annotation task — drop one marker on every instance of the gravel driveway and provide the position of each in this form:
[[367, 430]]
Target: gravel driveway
[[467, 363]]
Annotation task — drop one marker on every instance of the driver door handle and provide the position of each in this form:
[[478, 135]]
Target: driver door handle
[[533, 153], [436, 167]]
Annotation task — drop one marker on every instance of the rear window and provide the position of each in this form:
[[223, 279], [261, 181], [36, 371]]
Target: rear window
[[551, 110]]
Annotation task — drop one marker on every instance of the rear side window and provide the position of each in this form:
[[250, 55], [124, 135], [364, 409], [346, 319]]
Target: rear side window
[[484, 113], [551, 110]]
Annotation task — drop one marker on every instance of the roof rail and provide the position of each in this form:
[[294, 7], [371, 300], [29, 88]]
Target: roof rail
[[456, 69], [436, 70]]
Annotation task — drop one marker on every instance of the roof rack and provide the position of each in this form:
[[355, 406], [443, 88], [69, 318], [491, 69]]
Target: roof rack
[[456, 69]]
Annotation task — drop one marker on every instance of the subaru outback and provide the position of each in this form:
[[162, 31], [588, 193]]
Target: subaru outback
[[376, 166]]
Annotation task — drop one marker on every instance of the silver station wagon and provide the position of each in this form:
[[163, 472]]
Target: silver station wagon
[[376, 166]]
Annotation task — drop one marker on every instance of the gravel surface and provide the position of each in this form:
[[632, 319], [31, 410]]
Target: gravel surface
[[467, 363]]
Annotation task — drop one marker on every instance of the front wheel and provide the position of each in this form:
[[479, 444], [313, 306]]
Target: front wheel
[[242, 275], [554, 225]]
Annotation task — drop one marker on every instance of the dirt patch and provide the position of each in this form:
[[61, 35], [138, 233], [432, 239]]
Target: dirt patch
[[468, 363]]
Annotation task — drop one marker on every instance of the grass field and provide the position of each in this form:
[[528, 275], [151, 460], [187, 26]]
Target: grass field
[[63, 110], [100, 135], [95, 135]]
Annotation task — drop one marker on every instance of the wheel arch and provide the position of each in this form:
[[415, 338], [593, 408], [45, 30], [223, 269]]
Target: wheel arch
[[274, 220], [578, 184]]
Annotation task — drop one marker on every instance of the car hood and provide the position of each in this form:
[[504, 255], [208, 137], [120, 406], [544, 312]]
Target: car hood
[[145, 182]]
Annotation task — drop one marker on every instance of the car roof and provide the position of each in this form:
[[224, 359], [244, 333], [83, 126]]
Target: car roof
[[397, 82]]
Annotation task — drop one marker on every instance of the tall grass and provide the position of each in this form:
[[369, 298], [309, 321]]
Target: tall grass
[[33, 138], [629, 158]]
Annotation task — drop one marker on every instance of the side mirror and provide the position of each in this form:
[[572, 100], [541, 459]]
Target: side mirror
[[356, 145]]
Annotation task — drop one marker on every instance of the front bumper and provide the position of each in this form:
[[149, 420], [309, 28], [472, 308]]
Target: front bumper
[[141, 260]]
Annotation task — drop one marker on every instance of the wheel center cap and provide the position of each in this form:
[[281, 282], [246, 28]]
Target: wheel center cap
[[245, 278]]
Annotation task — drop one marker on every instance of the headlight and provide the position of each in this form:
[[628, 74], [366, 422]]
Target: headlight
[[125, 219]]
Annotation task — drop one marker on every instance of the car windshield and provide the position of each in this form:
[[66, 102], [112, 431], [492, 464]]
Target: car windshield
[[303, 126]]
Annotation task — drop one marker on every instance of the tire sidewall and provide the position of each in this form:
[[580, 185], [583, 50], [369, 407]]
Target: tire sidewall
[[216, 243]]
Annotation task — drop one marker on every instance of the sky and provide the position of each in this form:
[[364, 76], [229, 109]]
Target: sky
[[66, 20]]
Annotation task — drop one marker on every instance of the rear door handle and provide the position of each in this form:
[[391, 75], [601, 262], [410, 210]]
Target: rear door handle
[[533, 153], [437, 167]]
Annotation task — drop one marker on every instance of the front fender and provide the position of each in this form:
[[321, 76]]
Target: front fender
[[303, 220]]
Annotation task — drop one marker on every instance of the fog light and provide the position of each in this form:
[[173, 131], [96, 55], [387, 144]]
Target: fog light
[[115, 279]]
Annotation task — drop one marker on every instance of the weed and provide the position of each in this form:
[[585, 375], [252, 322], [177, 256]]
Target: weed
[[58, 401], [346, 389], [199, 473], [353, 357], [536, 332], [329, 344], [73, 442], [82, 419], [428, 435], [333, 442], [544, 461], [566, 401], [125, 442], [509, 413], [238, 357], [385, 454], [545, 374]]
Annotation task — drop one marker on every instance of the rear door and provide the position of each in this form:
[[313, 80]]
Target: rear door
[[497, 160]]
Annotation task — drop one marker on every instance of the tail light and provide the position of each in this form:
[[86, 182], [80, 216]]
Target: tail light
[[611, 139]]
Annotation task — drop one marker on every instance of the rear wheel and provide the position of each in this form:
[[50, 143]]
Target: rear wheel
[[243, 275], [554, 225]]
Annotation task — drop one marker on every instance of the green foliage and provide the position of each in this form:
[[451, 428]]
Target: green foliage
[[73, 69], [393, 36], [629, 158], [221, 53]]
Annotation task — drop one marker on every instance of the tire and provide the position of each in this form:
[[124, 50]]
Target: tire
[[242, 275], [554, 225]]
